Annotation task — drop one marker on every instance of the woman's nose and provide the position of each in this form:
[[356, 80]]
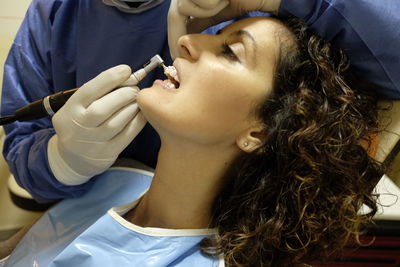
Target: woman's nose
[[189, 48]]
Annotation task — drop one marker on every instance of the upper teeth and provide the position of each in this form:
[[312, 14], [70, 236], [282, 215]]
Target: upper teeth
[[171, 73]]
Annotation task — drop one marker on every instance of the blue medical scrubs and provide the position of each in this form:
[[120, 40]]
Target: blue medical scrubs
[[367, 30], [88, 231], [64, 43], [61, 45]]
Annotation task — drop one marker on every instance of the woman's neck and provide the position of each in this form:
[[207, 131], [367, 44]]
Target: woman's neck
[[184, 187]]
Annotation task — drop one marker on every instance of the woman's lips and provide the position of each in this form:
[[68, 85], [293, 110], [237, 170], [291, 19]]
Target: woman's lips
[[177, 66]]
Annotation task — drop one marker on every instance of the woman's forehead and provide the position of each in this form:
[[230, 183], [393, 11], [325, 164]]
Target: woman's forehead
[[256, 24]]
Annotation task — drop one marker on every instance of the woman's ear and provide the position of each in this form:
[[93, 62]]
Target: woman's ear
[[251, 139]]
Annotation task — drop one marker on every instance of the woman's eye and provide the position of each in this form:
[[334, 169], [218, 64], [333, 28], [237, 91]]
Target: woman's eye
[[228, 53]]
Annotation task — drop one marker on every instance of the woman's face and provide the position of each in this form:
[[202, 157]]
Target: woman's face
[[222, 77]]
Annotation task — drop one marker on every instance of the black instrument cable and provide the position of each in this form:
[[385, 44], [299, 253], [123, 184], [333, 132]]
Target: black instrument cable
[[40, 108]]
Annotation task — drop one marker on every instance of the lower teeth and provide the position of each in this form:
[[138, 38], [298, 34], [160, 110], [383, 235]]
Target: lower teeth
[[170, 85]]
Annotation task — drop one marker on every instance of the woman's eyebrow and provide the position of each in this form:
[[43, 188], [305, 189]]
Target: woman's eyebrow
[[241, 33], [246, 35]]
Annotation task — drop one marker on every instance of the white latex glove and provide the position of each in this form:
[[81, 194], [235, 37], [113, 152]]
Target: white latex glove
[[179, 13], [94, 126], [189, 16]]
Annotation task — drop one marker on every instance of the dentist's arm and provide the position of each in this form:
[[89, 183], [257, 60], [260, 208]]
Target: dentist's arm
[[367, 30], [28, 76]]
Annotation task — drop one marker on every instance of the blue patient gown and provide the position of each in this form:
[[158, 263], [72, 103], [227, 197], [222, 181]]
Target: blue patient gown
[[87, 231]]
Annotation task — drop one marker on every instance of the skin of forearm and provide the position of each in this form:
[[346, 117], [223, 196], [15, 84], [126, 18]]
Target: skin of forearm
[[271, 6]]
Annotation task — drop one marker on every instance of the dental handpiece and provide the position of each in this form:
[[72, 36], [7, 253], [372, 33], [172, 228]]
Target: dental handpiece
[[49, 105]]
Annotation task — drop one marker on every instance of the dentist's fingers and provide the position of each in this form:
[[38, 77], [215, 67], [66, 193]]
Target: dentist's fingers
[[117, 123], [201, 9], [176, 28], [179, 13], [102, 84], [196, 25], [103, 108], [206, 4], [125, 137]]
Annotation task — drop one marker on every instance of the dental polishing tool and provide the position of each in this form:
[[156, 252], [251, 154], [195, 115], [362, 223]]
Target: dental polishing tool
[[49, 105]]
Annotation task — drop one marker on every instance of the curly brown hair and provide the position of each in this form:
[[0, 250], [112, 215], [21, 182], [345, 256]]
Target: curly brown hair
[[298, 197]]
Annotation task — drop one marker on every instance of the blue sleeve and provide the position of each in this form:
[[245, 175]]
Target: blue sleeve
[[368, 30], [28, 77]]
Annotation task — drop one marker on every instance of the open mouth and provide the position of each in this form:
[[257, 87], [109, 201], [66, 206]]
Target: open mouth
[[173, 81]]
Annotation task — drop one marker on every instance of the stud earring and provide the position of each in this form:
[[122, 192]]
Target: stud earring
[[245, 144]]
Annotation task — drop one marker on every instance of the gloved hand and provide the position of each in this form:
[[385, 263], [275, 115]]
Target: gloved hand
[[193, 16], [94, 126]]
